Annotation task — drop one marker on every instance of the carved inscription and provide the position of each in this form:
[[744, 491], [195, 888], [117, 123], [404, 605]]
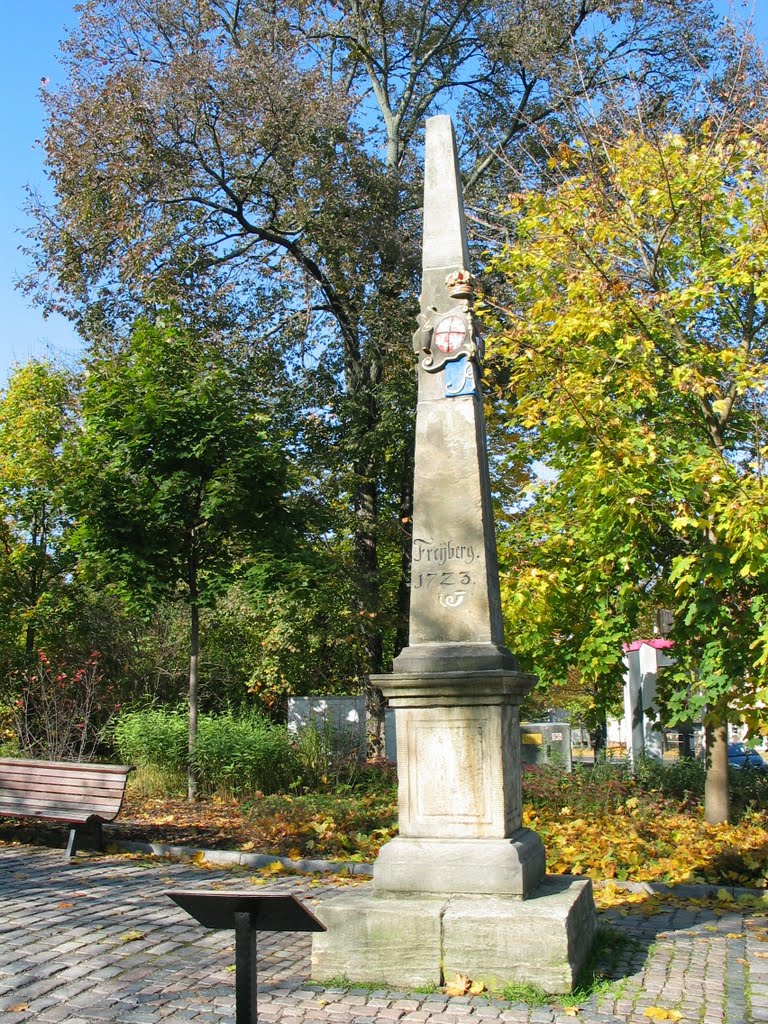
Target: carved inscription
[[440, 579], [438, 554], [441, 568]]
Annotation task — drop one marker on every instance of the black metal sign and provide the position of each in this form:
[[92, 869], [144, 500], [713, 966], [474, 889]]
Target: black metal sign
[[247, 913]]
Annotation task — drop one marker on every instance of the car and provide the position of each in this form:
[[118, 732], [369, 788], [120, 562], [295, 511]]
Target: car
[[742, 756]]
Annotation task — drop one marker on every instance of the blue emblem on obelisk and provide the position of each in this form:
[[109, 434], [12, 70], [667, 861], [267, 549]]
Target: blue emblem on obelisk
[[459, 378]]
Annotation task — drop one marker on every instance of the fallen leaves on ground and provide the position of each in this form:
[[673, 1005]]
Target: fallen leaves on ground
[[641, 841], [659, 1013], [275, 868], [337, 827], [637, 843], [614, 896], [461, 985], [654, 846]]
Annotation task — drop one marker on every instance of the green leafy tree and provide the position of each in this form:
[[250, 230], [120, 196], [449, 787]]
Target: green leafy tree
[[52, 611], [36, 423], [179, 475], [261, 164], [311, 637], [635, 352]]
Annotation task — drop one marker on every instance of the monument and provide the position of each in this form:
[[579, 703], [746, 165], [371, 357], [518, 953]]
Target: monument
[[462, 889]]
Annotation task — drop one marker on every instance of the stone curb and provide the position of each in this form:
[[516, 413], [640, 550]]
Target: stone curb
[[227, 858], [307, 865], [684, 889]]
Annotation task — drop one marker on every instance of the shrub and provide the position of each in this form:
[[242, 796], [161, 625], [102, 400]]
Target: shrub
[[9, 742], [326, 757], [681, 779], [234, 754], [243, 754], [749, 791], [62, 709], [605, 788], [585, 790], [153, 738]]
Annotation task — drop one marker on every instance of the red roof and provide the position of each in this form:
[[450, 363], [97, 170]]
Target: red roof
[[659, 643]]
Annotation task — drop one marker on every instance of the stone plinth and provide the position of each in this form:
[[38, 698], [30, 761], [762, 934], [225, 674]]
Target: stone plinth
[[459, 790], [458, 774], [393, 940], [418, 940], [462, 889], [513, 866], [458, 752], [545, 940]]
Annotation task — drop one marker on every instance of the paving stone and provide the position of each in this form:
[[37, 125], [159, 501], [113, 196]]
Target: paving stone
[[72, 967]]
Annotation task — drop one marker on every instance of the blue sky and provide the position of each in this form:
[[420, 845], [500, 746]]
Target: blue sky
[[28, 52]]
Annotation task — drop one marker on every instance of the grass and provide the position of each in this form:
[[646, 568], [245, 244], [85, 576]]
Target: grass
[[149, 782], [343, 982], [530, 994]]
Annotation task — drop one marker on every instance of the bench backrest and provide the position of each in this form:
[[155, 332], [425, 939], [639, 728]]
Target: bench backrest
[[61, 791]]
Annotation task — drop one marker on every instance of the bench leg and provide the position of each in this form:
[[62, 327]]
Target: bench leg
[[98, 836], [72, 844], [91, 832]]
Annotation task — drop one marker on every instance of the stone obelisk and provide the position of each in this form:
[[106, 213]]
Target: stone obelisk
[[462, 888]]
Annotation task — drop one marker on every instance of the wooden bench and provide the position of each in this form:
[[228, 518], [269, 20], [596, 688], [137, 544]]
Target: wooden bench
[[85, 795]]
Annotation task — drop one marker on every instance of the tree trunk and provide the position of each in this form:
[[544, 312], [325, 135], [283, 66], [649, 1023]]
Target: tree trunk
[[366, 507], [194, 640], [367, 559], [598, 739], [717, 809]]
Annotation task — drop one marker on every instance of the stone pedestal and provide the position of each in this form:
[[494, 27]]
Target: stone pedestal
[[463, 888], [459, 793], [458, 771]]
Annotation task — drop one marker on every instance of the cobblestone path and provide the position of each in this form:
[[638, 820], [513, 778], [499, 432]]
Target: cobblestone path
[[98, 940]]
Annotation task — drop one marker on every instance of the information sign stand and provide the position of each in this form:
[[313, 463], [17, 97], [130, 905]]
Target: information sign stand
[[247, 913]]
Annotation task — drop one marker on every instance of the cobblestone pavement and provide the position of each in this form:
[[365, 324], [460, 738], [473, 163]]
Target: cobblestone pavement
[[97, 940]]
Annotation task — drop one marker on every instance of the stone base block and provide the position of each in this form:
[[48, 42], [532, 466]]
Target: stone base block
[[544, 941], [410, 941], [379, 939], [504, 867]]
